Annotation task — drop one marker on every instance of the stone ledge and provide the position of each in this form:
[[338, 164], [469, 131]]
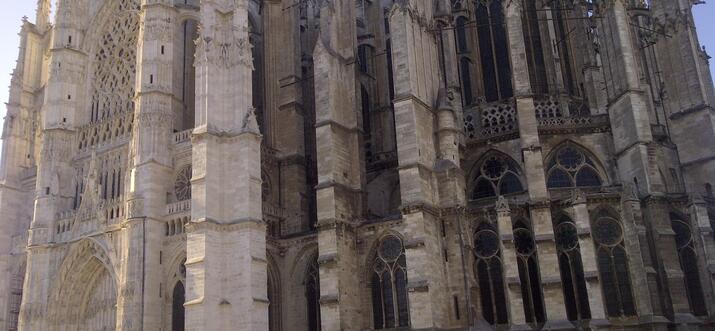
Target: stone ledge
[[418, 286], [230, 226]]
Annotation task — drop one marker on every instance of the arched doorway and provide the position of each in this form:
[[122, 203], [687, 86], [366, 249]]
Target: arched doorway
[[85, 295]]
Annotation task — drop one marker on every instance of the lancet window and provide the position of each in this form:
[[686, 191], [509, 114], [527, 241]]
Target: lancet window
[[498, 175], [571, 167], [613, 267], [177, 307], [388, 284], [490, 274], [529, 277], [481, 35], [312, 295], [534, 48], [571, 267], [685, 243]]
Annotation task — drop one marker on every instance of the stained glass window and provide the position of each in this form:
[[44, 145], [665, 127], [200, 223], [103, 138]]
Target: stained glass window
[[571, 268], [490, 277], [498, 175], [486, 46], [689, 264], [527, 262], [570, 167], [613, 267], [312, 295], [389, 285]]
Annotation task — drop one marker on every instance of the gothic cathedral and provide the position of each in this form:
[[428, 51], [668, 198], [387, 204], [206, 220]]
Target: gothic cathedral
[[352, 165]]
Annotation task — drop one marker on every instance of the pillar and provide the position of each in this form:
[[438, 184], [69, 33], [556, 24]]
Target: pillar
[[139, 308], [540, 211], [517, 318], [226, 262], [590, 263], [417, 81], [703, 231], [340, 178]]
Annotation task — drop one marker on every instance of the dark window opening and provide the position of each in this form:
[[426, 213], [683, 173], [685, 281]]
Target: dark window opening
[[389, 285], [177, 310]]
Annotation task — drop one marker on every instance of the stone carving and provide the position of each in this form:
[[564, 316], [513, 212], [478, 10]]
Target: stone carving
[[224, 44], [249, 121]]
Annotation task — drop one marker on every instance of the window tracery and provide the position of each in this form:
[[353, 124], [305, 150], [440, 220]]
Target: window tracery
[[571, 267], [498, 175], [182, 185], [685, 244], [115, 64], [613, 267], [482, 39], [312, 295], [389, 285], [490, 274], [529, 276], [570, 167]]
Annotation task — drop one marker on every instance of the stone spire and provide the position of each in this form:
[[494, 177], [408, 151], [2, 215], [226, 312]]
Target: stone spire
[[42, 20]]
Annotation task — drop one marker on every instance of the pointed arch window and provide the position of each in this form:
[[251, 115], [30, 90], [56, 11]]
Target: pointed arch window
[[466, 74], [498, 175], [534, 48], [571, 267], [177, 307], [312, 295], [494, 50], [482, 40], [529, 277], [461, 34], [613, 267], [490, 274], [389, 285], [685, 243], [571, 167]]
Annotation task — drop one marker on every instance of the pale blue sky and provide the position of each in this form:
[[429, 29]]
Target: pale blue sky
[[13, 11]]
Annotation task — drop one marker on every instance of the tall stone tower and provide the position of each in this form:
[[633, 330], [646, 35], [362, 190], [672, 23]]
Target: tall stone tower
[[359, 165]]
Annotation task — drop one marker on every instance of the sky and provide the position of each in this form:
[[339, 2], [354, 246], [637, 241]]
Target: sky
[[12, 13]]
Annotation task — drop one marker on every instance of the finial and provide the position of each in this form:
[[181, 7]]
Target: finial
[[502, 205]]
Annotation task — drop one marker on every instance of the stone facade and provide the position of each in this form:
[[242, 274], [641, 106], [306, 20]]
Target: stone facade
[[359, 164]]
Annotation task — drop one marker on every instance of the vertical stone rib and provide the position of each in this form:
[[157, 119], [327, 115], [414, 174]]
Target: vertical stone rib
[[226, 239], [539, 208], [339, 189]]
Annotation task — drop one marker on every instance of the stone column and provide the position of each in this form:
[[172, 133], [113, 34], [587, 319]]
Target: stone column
[[417, 81], [340, 177], [226, 240], [139, 306], [288, 120], [540, 211], [590, 263], [517, 319], [702, 229], [55, 170], [641, 266]]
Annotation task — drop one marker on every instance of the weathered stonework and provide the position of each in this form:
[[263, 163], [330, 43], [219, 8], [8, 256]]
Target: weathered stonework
[[358, 165]]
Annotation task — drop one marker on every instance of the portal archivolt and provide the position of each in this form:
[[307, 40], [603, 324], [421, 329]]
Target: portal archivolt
[[85, 294]]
